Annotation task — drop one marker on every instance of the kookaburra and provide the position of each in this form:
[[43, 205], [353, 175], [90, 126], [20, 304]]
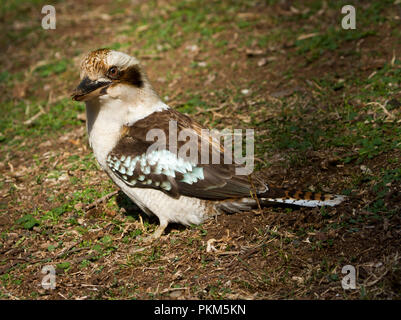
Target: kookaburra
[[121, 108]]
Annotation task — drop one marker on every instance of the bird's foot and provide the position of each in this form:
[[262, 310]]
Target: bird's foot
[[156, 235]]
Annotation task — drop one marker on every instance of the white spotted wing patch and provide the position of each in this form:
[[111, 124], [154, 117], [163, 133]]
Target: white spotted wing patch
[[158, 168]]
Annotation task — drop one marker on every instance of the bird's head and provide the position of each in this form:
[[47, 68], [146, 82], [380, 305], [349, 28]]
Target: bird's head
[[110, 73]]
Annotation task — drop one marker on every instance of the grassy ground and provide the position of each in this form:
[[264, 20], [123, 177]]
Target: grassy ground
[[325, 104]]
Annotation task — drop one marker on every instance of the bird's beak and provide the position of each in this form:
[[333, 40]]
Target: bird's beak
[[89, 89]]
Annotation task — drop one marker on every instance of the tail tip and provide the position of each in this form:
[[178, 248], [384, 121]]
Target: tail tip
[[331, 201], [336, 200]]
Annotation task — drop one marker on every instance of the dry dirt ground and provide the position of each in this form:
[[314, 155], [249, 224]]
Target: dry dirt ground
[[325, 106]]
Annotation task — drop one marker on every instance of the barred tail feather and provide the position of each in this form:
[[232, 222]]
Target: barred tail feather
[[299, 198], [281, 196]]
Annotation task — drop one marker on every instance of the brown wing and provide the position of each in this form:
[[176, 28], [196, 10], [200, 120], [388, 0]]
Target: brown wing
[[139, 163]]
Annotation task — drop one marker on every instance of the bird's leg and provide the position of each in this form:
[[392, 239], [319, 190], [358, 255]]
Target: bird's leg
[[159, 231]]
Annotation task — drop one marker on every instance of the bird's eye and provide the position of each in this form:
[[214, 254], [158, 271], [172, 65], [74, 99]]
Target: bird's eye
[[112, 73]]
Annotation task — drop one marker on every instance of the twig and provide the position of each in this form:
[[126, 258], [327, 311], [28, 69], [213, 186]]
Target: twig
[[124, 231], [31, 120], [102, 199], [393, 59], [63, 296], [173, 289], [369, 284], [222, 253], [68, 252], [201, 111], [246, 254], [388, 113], [138, 250]]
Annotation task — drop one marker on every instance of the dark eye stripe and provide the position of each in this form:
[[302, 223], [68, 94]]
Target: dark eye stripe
[[132, 75]]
